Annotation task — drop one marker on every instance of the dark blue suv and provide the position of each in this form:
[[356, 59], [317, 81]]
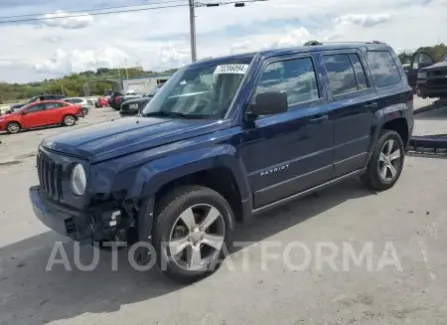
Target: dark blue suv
[[223, 140]]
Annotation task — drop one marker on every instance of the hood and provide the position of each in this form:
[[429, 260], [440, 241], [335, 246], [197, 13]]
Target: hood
[[438, 65], [108, 140]]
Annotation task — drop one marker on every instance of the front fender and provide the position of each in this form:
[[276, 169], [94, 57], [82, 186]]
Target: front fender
[[152, 176]]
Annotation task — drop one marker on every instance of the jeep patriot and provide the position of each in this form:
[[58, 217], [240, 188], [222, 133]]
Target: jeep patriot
[[223, 140]]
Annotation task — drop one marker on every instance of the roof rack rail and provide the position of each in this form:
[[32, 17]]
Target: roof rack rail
[[375, 42], [312, 43]]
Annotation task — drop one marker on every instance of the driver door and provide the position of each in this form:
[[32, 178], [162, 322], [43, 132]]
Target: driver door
[[418, 60]]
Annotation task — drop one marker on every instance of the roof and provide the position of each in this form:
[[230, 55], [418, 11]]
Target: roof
[[299, 49]]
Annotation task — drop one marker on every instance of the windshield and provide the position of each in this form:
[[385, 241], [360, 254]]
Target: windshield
[[203, 91], [153, 91]]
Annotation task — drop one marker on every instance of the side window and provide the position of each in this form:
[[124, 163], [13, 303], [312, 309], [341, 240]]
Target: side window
[[295, 77], [341, 73], [51, 105], [36, 108], [359, 71], [383, 68]]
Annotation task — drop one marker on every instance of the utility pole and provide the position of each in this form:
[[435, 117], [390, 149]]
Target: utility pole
[[192, 23]]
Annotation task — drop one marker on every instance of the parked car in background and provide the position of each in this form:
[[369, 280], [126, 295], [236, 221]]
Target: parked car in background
[[15, 107], [101, 102], [118, 100], [432, 80], [79, 101], [41, 114], [134, 106], [112, 97]]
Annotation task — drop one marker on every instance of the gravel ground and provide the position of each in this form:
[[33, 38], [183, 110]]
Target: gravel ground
[[408, 220]]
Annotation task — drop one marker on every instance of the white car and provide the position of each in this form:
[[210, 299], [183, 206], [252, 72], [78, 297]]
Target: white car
[[79, 101]]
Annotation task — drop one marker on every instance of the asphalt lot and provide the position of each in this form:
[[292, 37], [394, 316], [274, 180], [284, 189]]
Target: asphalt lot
[[411, 217]]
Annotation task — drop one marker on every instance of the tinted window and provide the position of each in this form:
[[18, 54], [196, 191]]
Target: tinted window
[[73, 100], [51, 105], [296, 77], [383, 68], [359, 71], [35, 108], [341, 73]]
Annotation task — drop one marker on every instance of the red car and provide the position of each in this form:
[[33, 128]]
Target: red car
[[101, 102], [44, 113]]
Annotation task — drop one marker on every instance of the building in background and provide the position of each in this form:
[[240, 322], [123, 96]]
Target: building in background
[[143, 84]]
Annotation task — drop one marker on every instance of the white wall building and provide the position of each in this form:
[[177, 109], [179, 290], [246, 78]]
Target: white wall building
[[142, 84]]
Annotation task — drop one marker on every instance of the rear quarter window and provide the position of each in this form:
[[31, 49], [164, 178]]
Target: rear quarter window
[[383, 68]]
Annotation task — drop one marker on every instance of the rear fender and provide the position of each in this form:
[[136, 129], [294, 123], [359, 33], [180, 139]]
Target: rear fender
[[384, 115]]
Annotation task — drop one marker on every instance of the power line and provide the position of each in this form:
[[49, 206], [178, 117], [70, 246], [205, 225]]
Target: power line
[[83, 13], [94, 9], [91, 14]]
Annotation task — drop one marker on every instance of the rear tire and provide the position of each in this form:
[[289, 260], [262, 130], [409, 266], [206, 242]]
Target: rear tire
[[13, 127], [69, 120], [197, 223], [85, 111], [386, 163]]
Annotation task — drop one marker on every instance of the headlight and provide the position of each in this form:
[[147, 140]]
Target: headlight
[[422, 75], [78, 180]]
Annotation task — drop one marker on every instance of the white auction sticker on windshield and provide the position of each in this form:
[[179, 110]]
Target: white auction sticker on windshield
[[231, 68]]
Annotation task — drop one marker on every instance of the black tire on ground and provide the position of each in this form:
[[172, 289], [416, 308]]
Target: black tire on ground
[[13, 127], [386, 163], [168, 217], [69, 120]]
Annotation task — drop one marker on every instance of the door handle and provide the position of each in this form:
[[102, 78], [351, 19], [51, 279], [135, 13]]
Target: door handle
[[319, 118], [372, 105]]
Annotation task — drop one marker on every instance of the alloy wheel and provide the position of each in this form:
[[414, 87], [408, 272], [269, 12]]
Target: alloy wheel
[[197, 237], [390, 161]]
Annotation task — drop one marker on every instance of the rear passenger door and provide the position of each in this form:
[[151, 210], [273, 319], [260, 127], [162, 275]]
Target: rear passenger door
[[353, 104], [53, 113]]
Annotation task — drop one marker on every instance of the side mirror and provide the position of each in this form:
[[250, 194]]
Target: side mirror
[[268, 103]]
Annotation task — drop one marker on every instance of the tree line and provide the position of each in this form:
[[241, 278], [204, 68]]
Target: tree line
[[86, 83]]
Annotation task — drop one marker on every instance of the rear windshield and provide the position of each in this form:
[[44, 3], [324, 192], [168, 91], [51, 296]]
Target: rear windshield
[[383, 68]]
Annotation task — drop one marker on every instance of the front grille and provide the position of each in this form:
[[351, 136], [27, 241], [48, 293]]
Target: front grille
[[50, 177]]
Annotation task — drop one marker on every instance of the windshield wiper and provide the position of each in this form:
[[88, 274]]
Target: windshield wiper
[[168, 114]]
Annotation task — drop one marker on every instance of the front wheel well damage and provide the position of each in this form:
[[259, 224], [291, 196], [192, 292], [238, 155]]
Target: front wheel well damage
[[219, 179]]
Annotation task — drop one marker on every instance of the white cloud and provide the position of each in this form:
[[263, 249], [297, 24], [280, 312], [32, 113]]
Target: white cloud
[[81, 60], [364, 20], [67, 21], [159, 39]]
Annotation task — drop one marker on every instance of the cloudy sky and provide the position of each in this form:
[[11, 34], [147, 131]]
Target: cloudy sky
[[159, 39]]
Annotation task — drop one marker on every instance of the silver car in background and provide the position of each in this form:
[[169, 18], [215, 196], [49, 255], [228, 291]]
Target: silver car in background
[[79, 101]]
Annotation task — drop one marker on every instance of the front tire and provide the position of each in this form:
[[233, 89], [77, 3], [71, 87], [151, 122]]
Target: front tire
[[13, 127], [192, 232], [386, 163]]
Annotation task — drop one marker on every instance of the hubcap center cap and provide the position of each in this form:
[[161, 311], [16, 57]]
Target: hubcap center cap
[[196, 236]]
